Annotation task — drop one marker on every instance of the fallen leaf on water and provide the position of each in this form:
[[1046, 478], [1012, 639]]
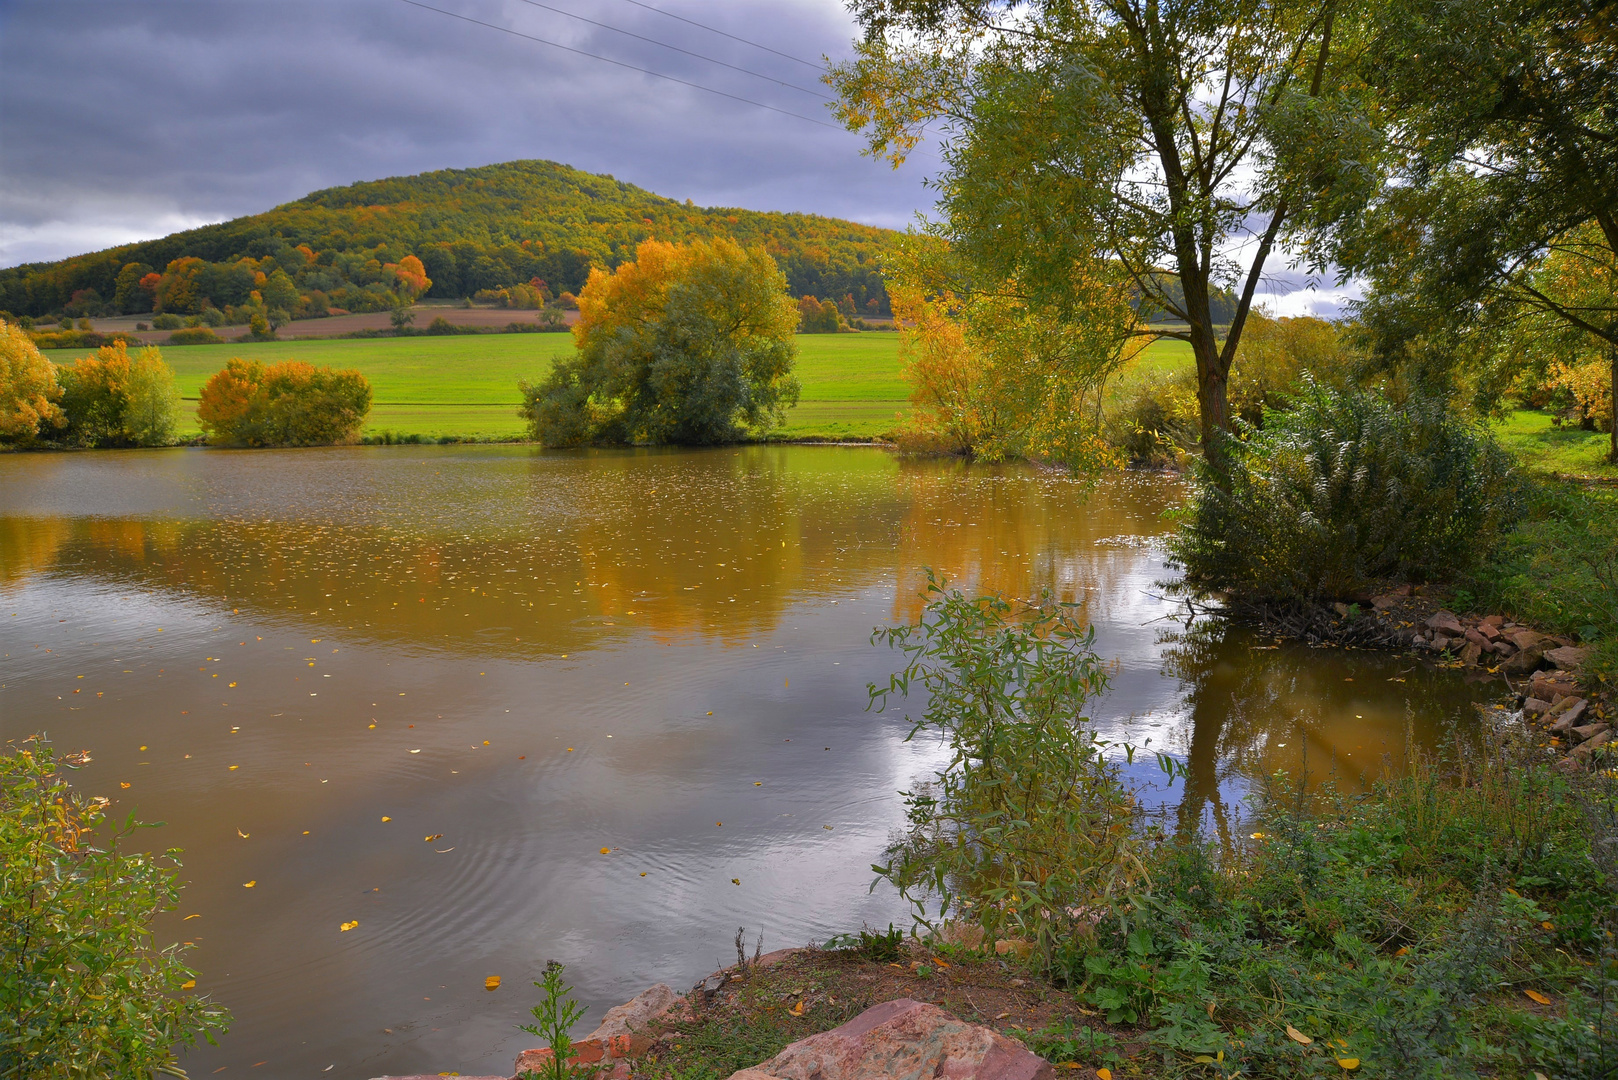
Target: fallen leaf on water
[[735, 881], [492, 983], [122, 784], [1297, 1036], [189, 917], [386, 818], [415, 751], [249, 884], [444, 851], [243, 835], [233, 768], [434, 836], [718, 824], [826, 827], [758, 783], [189, 984], [643, 873], [606, 851], [1537, 996], [346, 927], [233, 684], [1349, 1063]]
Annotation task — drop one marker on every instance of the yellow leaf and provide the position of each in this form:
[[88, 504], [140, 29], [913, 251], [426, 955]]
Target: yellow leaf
[[1104, 1074], [1537, 996], [122, 784], [233, 684], [249, 884], [735, 881], [434, 836], [346, 927], [386, 818], [1297, 1036], [1548, 926], [243, 835], [606, 851], [492, 983], [233, 768], [796, 1010], [189, 984], [188, 918], [1349, 1063]]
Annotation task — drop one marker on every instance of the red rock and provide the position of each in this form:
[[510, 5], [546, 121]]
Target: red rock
[[1589, 731], [621, 1033], [1551, 688], [1525, 638], [1493, 622], [1526, 659], [1472, 653], [1476, 638], [1490, 631], [1445, 622], [1568, 766], [437, 1076], [1568, 657], [1588, 748], [1535, 707], [903, 1038], [1563, 719]]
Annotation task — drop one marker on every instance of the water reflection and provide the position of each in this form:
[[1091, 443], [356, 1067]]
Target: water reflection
[[532, 656]]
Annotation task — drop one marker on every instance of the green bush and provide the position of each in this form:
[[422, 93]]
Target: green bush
[[83, 990], [167, 321], [1155, 422], [287, 404], [1344, 489], [195, 335], [1027, 827]]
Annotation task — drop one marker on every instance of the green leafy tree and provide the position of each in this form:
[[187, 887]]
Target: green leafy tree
[[1135, 134], [129, 296], [114, 399], [84, 991], [1498, 153], [688, 344], [279, 291]]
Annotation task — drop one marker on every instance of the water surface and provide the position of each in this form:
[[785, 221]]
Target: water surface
[[423, 688]]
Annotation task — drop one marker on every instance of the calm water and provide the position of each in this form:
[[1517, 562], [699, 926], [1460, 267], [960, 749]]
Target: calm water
[[422, 688]]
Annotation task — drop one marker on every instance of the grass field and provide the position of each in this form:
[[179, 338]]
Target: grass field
[[467, 386], [1544, 447]]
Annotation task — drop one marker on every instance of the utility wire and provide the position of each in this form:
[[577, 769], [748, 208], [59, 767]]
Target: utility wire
[[676, 48], [715, 30], [618, 63]]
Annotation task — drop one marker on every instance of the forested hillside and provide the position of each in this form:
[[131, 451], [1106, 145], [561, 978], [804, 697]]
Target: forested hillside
[[521, 223]]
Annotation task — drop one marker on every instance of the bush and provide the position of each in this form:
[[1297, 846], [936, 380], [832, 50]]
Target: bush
[[286, 404], [28, 389], [1156, 423], [195, 335], [1343, 490], [1028, 827], [83, 991], [690, 344], [113, 399], [167, 321]]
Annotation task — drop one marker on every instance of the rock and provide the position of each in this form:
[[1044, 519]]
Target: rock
[[1472, 653], [1568, 657], [1445, 622], [903, 1039], [1568, 766], [1419, 641], [1476, 638], [1585, 732], [1525, 659], [1563, 719], [770, 959], [1493, 622], [1439, 643], [437, 1076], [1535, 707], [1587, 749], [1489, 631], [1383, 603], [1525, 638], [1014, 947], [621, 1033]]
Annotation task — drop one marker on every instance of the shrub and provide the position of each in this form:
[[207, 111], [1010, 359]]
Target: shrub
[[83, 990], [167, 321], [1027, 827], [113, 399], [1156, 423], [195, 335], [1342, 490], [28, 389], [286, 404], [689, 344]]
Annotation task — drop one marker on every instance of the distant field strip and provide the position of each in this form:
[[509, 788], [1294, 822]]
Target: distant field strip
[[466, 386]]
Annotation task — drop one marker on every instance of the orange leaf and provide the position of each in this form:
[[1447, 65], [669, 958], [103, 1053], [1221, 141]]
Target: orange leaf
[[492, 983], [1297, 1036], [1537, 996]]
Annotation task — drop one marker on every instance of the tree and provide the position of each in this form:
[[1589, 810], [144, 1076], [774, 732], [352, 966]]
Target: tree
[[113, 399], [816, 317], [401, 316], [412, 279], [179, 290], [249, 403], [279, 291], [28, 389], [689, 344], [1497, 177], [129, 294], [1133, 134]]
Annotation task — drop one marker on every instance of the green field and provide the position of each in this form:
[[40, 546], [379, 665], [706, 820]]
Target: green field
[[1542, 446], [466, 386]]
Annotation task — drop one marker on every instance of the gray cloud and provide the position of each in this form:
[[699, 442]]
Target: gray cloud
[[125, 120]]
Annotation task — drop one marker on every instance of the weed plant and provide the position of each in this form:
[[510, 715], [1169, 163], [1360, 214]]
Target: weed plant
[[554, 1017], [1344, 489]]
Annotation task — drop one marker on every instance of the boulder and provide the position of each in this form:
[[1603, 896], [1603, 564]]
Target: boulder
[[1586, 749], [632, 1017], [1488, 631], [1551, 688], [1445, 622], [1525, 659], [437, 1076], [1476, 638], [1568, 766], [1564, 720], [1525, 638], [1383, 603], [1439, 643], [1535, 707], [1568, 657], [903, 1039], [1493, 622], [1472, 653], [1589, 731], [620, 1035]]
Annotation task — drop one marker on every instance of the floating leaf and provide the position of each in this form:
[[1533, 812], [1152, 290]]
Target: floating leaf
[[346, 927], [188, 918], [492, 983], [1297, 1036], [249, 884], [606, 851], [233, 684], [189, 984], [243, 835], [122, 784], [735, 881], [1537, 996], [386, 818], [415, 751], [434, 836]]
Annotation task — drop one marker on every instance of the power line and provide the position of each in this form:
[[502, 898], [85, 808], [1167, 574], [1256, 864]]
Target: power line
[[676, 48], [715, 30], [618, 63]]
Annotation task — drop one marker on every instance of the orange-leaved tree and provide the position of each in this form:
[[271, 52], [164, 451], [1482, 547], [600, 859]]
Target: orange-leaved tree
[[28, 389], [411, 276], [249, 403]]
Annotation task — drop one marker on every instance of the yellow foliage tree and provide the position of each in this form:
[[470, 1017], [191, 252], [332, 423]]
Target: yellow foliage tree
[[28, 389], [411, 276]]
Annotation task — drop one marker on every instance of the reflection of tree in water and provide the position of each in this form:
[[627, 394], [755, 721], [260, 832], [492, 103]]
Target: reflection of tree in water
[[1254, 707]]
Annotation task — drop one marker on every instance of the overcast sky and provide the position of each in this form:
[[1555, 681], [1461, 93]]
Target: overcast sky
[[131, 119]]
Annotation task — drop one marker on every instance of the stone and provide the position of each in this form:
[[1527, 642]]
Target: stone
[[1585, 732], [1445, 622], [1488, 631], [621, 1033], [1525, 659], [1568, 766], [1383, 603], [903, 1039], [1472, 653], [1014, 947], [1568, 657], [437, 1076], [1535, 707], [1564, 720], [1439, 643], [1476, 638], [1525, 638], [1493, 622], [1588, 747], [1551, 688]]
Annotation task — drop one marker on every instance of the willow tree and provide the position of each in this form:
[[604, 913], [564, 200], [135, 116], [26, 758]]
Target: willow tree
[[1172, 140]]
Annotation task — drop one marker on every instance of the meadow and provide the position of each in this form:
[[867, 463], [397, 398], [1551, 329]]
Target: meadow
[[466, 386]]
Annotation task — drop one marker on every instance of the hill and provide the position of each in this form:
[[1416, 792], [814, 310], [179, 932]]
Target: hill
[[533, 223]]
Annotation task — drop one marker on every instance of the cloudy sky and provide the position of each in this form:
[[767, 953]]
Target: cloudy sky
[[130, 119]]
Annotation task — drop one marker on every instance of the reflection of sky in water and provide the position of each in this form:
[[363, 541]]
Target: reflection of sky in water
[[694, 626]]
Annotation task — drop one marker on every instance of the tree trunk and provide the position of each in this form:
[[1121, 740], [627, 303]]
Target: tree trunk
[[1213, 379], [1612, 452]]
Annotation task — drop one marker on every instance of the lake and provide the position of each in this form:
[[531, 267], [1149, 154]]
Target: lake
[[422, 688]]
